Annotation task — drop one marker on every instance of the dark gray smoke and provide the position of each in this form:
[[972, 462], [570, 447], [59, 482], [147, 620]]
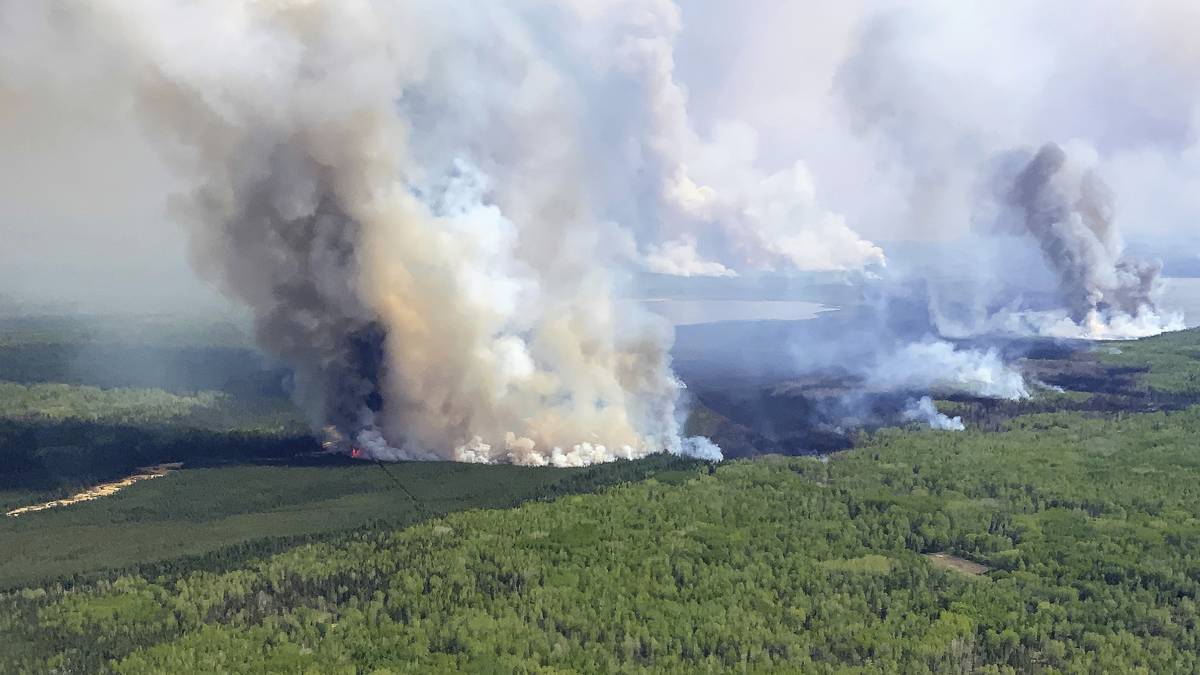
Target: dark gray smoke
[[400, 193], [297, 271], [431, 206], [940, 93], [1068, 211]]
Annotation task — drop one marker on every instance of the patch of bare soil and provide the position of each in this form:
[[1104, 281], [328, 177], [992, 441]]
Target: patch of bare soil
[[950, 562], [101, 490]]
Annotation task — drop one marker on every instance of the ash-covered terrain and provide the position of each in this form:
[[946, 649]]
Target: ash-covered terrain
[[752, 395]]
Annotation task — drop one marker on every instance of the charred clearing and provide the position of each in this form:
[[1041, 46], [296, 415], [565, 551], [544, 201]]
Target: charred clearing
[[756, 413]]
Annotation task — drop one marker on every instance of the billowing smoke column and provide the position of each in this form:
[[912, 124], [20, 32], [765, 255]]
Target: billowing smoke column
[[400, 194], [431, 206], [942, 113], [705, 207], [1069, 213]]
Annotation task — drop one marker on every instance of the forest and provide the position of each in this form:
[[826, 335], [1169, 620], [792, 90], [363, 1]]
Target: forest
[[86, 399], [1061, 536], [1088, 528]]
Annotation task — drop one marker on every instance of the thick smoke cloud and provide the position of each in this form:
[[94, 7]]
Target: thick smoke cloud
[[432, 209], [944, 113], [399, 192], [1069, 213], [939, 365]]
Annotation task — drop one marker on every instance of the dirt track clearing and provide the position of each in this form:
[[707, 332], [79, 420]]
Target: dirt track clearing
[[101, 490], [949, 562]]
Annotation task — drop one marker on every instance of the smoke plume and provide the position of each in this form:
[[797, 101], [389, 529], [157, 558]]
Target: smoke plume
[[941, 94], [938, 365], [1069, 213], [434, 209], [398, 193], [924, 410]]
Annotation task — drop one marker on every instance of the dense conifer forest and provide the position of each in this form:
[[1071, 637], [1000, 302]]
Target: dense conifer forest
[[1035, 541]]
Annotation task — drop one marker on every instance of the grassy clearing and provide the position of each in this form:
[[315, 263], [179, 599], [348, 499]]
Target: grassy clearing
[[950, 562]]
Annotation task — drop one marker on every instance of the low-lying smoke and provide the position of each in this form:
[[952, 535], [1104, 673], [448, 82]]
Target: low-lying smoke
[[924, 410], [938, 365]]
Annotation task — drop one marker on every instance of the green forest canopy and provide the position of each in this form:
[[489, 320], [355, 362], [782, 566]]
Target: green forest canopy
[[1091, 526], [1088, 523]]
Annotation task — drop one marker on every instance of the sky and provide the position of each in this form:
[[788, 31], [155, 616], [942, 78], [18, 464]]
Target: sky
[[82, 229], [891, 109], [876, 96]]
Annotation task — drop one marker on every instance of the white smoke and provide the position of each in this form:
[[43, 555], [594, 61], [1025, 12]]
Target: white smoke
[[682, 184], [679, 258], [773, 220], [941, 93], [699, 447], [924, 410], [937, 365], [399, 192]]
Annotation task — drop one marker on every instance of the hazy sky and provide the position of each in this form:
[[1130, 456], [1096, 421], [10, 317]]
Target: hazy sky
[[876, 95], [83, 215], [892, 109]]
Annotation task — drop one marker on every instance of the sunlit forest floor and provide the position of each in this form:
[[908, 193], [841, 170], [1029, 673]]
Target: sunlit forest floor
[[1055, 535]]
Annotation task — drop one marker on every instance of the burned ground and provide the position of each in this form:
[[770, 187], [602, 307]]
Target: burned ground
[[757, 410]]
